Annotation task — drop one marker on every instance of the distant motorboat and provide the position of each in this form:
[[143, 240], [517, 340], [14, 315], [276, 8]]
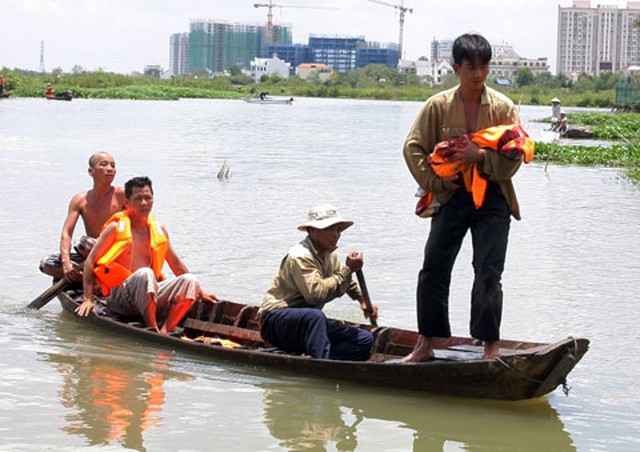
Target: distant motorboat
[[268, 100]]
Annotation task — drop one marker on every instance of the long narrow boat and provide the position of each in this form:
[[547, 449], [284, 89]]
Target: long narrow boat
[[269, 100], [229, 330], [66, 95]]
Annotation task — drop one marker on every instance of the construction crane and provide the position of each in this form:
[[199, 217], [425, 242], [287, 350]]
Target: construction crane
[[402, 9], [270, 5]]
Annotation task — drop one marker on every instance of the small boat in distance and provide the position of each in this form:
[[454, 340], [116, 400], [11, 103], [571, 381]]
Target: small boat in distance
[[265, 100], [66, 95], [231, 331]]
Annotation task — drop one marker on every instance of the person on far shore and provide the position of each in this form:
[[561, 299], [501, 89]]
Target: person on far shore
[[126, 263], [556, 109], [310, 276], [95, 207], [470, 107]]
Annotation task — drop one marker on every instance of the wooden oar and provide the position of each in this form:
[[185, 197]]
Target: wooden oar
[[49, 294], [365, 295]]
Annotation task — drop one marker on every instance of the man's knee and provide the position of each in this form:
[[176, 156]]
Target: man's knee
[[188, 278], [144, 273]]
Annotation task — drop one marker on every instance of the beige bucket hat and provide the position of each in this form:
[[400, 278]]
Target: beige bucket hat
[[323, 216]]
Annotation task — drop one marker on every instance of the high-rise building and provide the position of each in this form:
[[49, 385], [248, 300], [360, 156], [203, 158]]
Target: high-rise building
[[595, 40], [179, 53], [377, 53], [441, 50], [216, 45], [337, 52], [295, 54]]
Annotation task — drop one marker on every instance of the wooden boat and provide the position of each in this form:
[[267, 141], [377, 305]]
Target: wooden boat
[[67, 95], [229, 330], [578, 132], [268, 100]]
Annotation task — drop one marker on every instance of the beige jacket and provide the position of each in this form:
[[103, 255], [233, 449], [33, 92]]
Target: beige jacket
[[444, 112], [307, 280]]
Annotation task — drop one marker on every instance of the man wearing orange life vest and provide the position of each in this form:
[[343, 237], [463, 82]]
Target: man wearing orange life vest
[[458, 112], [126, 263]]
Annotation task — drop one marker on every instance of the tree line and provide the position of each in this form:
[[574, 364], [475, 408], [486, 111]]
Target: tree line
[[375, 81]]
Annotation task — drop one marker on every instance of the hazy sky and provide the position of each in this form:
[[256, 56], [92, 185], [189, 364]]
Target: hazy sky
[[125, 35]]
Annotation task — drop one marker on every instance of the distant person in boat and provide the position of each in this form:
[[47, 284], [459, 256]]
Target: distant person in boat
[[555, 112], [469, 107], [2, 86], [562, 124], [127, 260], [94, 206], [263, 95], [310, 276], [48, 92]]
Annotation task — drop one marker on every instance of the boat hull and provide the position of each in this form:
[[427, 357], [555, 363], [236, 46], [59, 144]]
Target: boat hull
[[526, 370], [268, 101]]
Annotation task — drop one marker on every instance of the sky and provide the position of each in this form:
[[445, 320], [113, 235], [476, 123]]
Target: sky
[[126, 35]]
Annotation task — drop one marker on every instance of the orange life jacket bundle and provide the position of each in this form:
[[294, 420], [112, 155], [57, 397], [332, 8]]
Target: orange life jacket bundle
[[509, 141]]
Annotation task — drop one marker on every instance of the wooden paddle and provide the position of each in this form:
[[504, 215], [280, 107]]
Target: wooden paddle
[[49, 294], [365, 295]]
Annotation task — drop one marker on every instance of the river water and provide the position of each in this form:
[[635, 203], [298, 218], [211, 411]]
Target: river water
[[572, 270]]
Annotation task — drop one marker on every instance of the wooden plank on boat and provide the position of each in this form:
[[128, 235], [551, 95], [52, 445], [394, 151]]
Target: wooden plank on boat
[[225, 330]]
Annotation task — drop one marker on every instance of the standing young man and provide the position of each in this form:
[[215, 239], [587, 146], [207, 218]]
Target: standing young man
[[127, 262], [95, 207], [469, 107]]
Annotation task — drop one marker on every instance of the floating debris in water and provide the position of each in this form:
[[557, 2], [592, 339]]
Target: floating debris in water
[[223, 173]]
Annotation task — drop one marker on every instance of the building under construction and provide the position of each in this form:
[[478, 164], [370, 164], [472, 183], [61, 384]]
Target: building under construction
[[216, 45]]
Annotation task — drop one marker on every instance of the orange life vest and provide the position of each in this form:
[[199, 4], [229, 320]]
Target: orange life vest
[[109, 273]]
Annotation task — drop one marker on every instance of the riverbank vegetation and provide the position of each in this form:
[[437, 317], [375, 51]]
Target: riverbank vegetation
[[373, 82], [620, 129]]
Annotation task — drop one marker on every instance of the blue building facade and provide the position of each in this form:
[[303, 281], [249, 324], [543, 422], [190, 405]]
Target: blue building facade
[[377, 53], [291, 53], [337, 52]]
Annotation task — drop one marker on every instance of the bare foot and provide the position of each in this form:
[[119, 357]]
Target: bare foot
[[423, 351], [491, 350]]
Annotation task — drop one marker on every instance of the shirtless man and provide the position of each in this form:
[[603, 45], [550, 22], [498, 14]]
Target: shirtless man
[[95, 207], [126, 263]]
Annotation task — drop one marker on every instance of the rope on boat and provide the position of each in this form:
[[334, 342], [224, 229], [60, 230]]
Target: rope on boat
[[523, 375], [565, 387]]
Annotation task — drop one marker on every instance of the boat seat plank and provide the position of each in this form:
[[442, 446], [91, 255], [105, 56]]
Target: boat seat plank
[[225, 330]]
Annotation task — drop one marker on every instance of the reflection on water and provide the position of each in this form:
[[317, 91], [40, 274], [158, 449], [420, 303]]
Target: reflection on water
[[301, 419], [325, 419], [111, 397]]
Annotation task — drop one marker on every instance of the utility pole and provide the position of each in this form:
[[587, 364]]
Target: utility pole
[[402, 9], [42, 57]]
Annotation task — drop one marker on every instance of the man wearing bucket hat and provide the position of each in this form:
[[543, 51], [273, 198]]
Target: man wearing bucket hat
[[556, 109], [310, 276]]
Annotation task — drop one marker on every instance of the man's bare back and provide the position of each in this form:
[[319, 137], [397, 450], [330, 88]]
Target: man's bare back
[[96, 208]]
